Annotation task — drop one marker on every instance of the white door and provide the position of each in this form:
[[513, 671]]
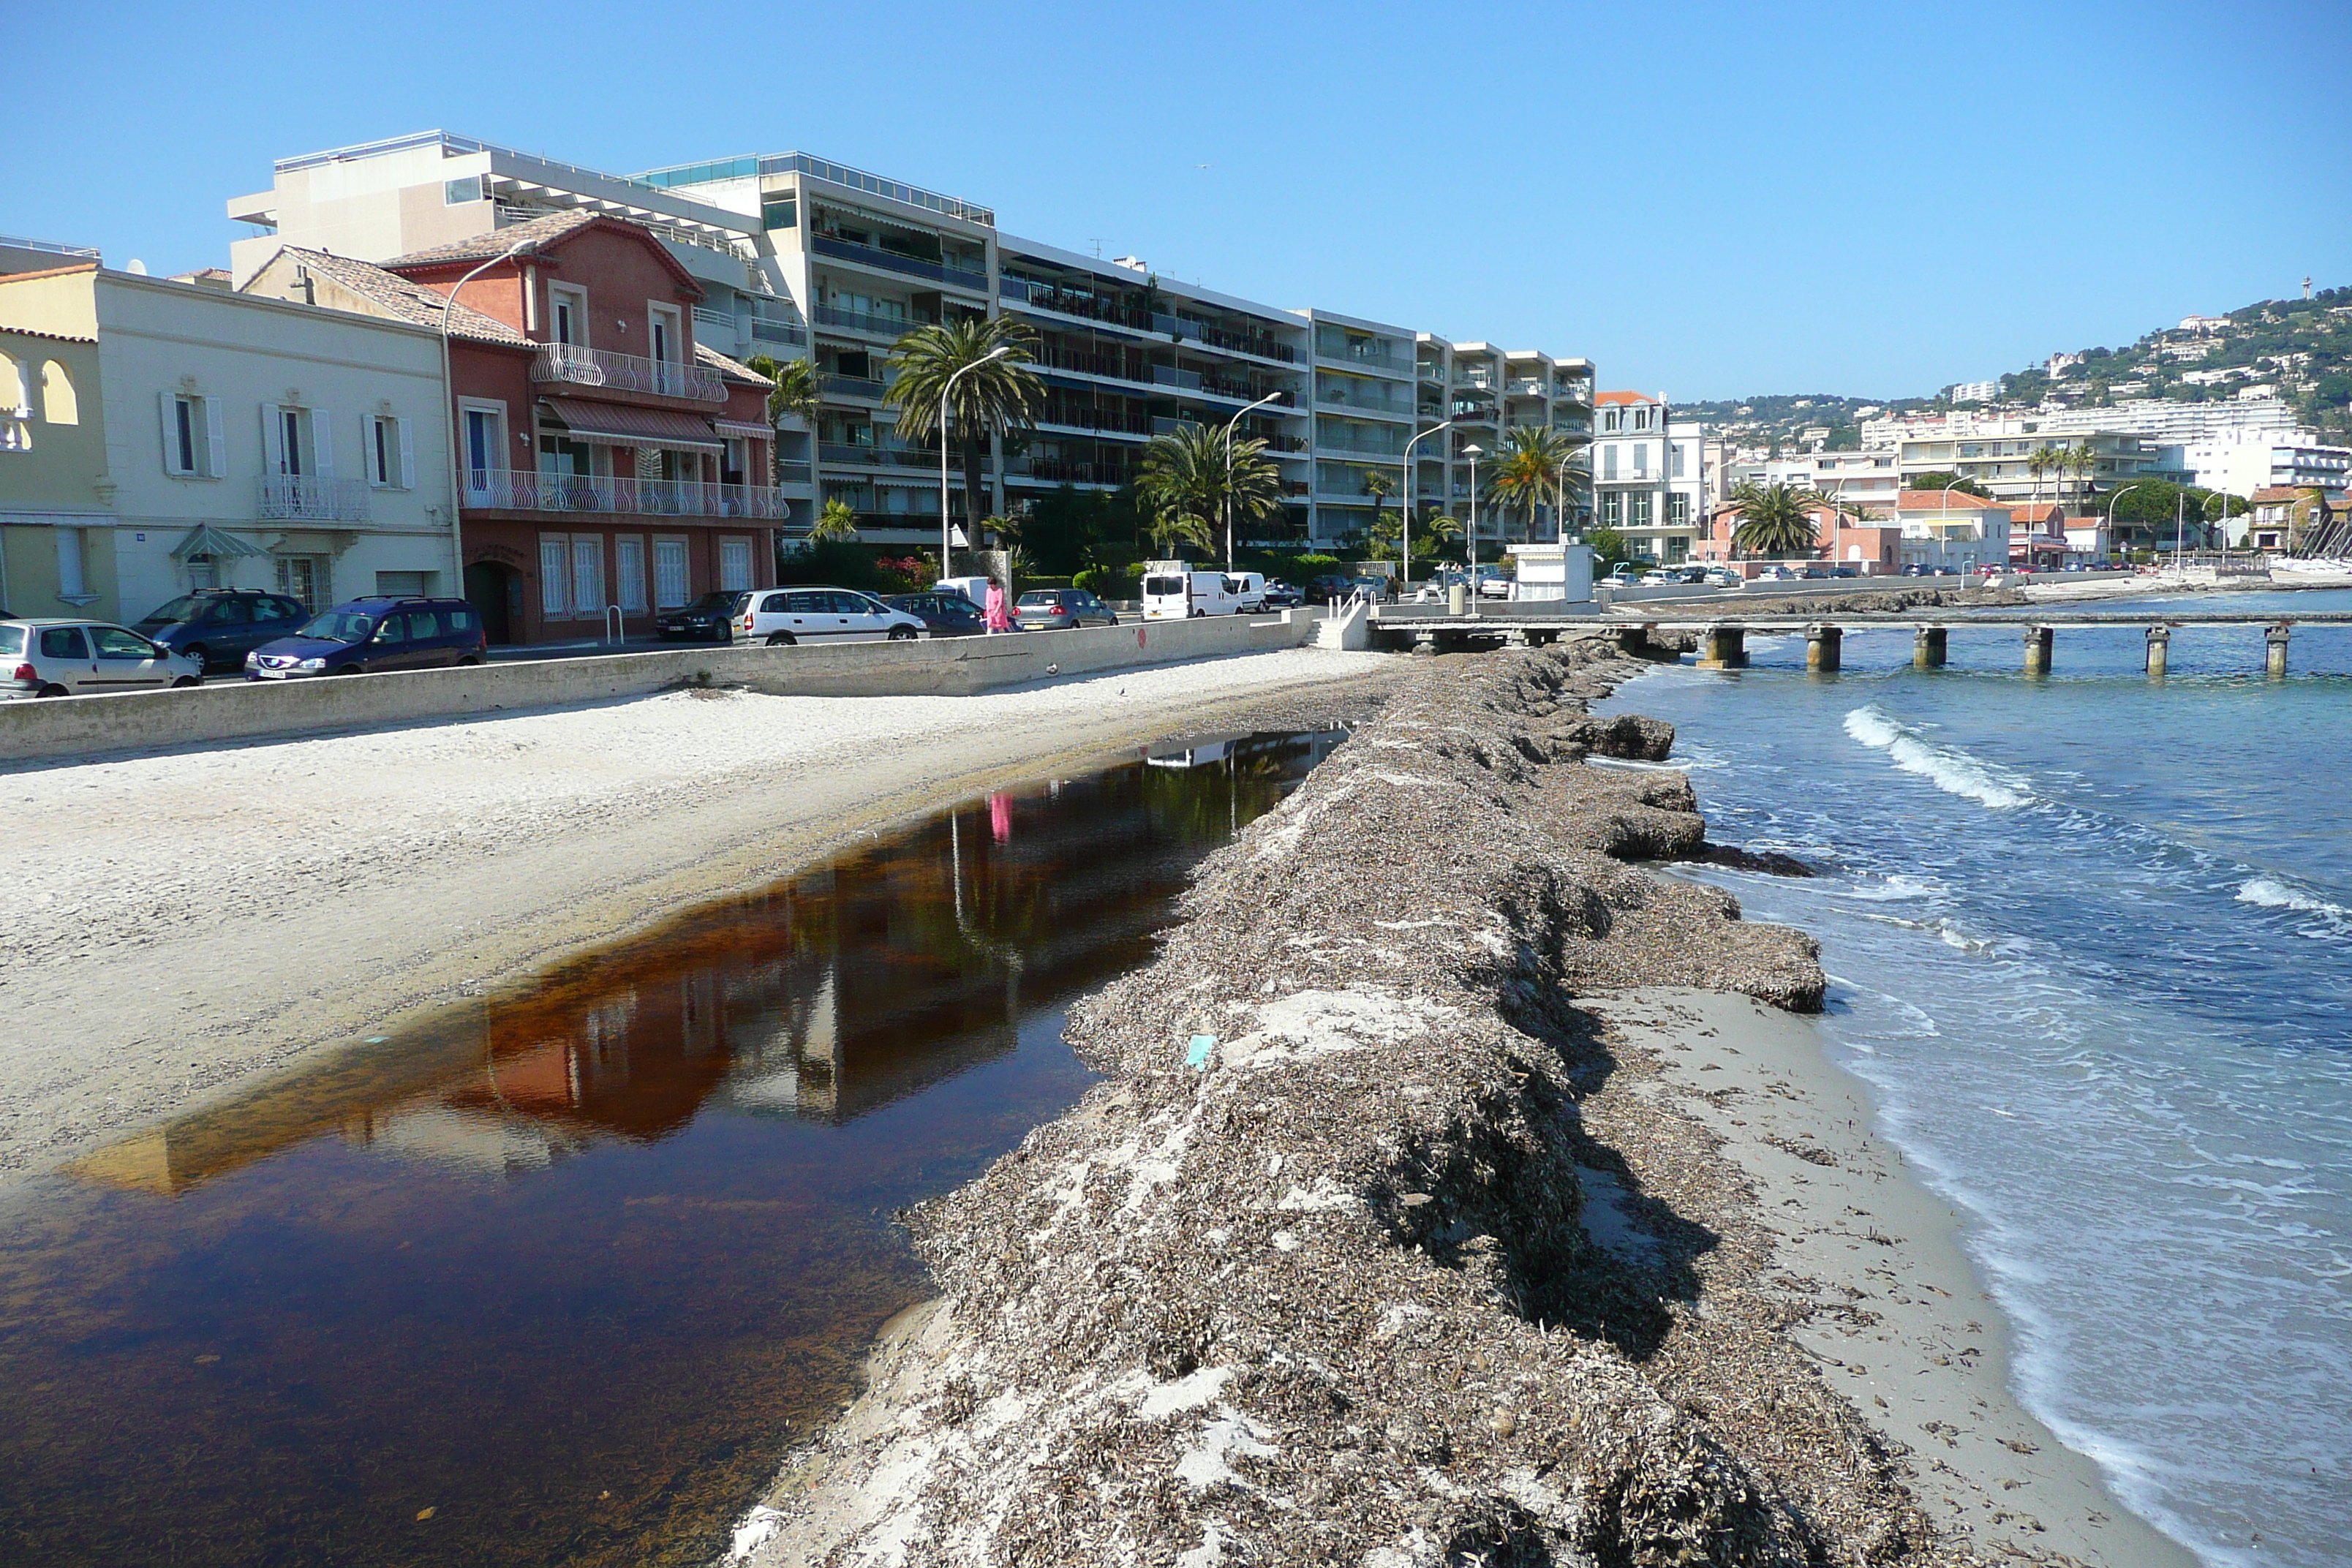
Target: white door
[[125, 662], [855, 619]]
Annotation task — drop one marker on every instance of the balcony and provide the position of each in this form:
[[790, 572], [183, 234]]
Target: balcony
[[789, 472], [1066, 471], [1346, 397], [577, 366], [507, 490], [721, 323], [891, 327], [1118, 421], [853, 387], [841, 452], [907, 266], [294, 497], [1364, 358], [787, 333]]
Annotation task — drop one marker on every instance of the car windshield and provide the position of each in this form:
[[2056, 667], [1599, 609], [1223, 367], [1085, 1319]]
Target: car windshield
[[186, 607], [340, 625]]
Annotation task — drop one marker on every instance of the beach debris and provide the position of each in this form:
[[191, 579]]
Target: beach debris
[[1197, 1054]]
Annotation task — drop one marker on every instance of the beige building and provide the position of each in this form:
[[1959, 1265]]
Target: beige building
[[219, 440]]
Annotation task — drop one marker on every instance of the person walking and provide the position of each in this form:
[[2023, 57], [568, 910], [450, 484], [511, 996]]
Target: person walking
[[998, 620]]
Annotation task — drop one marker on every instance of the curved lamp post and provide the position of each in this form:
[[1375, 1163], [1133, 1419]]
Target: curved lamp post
[[947, 525], [2118, 496], [456, 468], [1270, 397], [1405, 535]]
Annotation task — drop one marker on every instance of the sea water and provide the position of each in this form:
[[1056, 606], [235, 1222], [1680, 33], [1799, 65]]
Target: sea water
[[2090, 940]]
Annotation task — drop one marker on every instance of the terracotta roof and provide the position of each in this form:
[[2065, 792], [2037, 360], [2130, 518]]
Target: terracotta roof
[[47, 337], [1945, 501], [2033, 512], [733, 370], [404, 300], [1622, 398], [538, 232], [2283, 493]]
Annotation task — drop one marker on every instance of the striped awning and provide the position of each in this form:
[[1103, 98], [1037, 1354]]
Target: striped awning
[[220, 545], [736, 427], [631, 426]]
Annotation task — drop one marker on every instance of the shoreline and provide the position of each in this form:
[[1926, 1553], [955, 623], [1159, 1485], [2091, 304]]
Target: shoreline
[[240, 911], [1755, 1321]]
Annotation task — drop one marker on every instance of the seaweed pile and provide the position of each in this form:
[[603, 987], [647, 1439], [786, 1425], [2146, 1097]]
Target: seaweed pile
[[1317, 1274]]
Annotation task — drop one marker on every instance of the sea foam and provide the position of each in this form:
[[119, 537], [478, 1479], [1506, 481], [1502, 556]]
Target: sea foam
[[1949, 769], [2269, 894]]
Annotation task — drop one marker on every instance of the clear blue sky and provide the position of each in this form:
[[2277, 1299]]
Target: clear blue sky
[[1710, 200]]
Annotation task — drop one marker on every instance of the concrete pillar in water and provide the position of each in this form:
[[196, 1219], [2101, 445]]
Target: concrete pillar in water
[[2274, 649], [1928, 645], [2159, 647], [1823, 645], [1723, 648], [2037, 649]]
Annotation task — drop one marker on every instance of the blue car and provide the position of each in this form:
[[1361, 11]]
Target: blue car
[[364, 636], [219, 627]]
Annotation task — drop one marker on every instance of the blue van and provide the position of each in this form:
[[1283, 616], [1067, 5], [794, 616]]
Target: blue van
[[364, 637]]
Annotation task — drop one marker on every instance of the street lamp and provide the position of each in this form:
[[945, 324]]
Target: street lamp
[[946, 523], [2118, 496], [1404, 537], [1473, 453], [456, 473], [1276, 396]]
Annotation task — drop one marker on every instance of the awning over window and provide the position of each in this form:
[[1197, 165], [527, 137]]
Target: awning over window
[[628, 426], [735, 428], [210, 541]]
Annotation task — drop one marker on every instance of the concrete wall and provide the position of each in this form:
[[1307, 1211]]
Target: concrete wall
[[76, 727]]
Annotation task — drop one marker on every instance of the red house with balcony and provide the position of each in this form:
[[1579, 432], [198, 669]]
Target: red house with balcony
[[609, 466]]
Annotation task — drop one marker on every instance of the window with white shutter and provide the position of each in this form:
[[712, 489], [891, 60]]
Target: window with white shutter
[[629, 565], [670, 580], [734, 563], [554, 574], [588, 575]]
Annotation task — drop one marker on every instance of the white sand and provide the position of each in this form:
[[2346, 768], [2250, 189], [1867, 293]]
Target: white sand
[[187, 918], [1902, 1325]]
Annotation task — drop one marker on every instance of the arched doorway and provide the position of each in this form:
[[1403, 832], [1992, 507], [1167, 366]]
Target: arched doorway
[[496, 593]]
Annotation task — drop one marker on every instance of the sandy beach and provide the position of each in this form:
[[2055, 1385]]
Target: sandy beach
[[197, 917]]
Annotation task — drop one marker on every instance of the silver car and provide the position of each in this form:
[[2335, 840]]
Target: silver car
[[86, 658]]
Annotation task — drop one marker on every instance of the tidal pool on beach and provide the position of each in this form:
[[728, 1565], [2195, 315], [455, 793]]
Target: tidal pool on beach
[[556, 1279]]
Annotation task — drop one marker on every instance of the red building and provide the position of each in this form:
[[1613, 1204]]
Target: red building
[[607, 462]]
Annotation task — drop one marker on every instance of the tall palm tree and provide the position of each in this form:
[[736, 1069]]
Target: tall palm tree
[[989, 397], [792, 389], [1775, 520], [2085, 463], [1527, 471], [2044, 459], [1190, 472]]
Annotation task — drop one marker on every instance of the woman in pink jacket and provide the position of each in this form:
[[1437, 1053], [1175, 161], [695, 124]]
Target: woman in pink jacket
[[998, 620]]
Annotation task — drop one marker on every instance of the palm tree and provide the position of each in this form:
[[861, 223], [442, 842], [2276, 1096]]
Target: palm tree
[[1171, 526], [836, 521], [792, 389], [2044, 459], [1528, 469], [1775, 520], [1192, 472], [992, 392], [2085, 463]]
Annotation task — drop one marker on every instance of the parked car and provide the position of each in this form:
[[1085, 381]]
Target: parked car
[[1776, 575], [1656, 577], [1330, 589], [1375, 590], [1814, 574], [782, 617], [1721, 577], [219, 627], [711, 618], [1281, 595], [87, 659], [1625, 576], [1845, 571], [367, 637], [944, 613], [1692, 576], [1061, 609]]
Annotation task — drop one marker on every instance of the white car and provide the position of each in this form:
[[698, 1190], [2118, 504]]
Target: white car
[[1724, 577], [87, 659], [1657, 577], [782, 617]]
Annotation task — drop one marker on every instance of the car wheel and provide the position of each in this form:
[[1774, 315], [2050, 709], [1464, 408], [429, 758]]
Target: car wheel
[[468, 662], [902, 633], [1200, 614], [198, 654], [186, 680], [53, 690], [782, 639], [351, 669]]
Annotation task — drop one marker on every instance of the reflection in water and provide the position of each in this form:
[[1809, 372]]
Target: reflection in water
[[561, 1266]]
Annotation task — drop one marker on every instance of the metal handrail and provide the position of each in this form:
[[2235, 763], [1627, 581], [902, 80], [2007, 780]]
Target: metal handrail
[[580, 366], [502, 490], [289, 496]]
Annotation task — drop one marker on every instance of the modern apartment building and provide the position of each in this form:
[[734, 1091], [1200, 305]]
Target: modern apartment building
[[799, 256], [1487, 392], [2159, 421], [1864, 479], [2242, 462], [2004, 465], [182, 436]]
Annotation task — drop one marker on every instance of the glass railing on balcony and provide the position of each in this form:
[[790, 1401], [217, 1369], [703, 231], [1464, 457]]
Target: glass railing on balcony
[[577, 366], [908, 266], [891, 327], [503, 490], [777, 332], [1067, 471], [720, 325], [1368, 446], [1372, 357], [1355, 397], [789, 472], [291, 496], [1050, 357], [1083, 416], [840, 452], [853, 387]]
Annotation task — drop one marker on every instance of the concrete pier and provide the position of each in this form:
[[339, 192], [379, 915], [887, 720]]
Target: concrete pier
[[1928, 646], [1823, 647], [2274, 641], [2159, 647], [2038, 641], [1723, 648]]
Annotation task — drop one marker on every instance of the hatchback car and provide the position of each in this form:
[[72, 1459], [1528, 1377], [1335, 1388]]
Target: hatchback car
[[1330, 589], [782, 617], [1060, 610], [371, 635], [87, 659], [219, 627], [711, 618], [943, 614]]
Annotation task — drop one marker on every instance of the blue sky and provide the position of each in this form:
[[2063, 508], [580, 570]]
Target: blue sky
[[1708, 200]]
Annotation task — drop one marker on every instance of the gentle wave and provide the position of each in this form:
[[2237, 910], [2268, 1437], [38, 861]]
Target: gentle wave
[[1948, 768], [2269, 894]]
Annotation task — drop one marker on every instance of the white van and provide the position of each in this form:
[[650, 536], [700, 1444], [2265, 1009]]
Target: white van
[[972, 588], [1248, 589], [1172, 592]]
